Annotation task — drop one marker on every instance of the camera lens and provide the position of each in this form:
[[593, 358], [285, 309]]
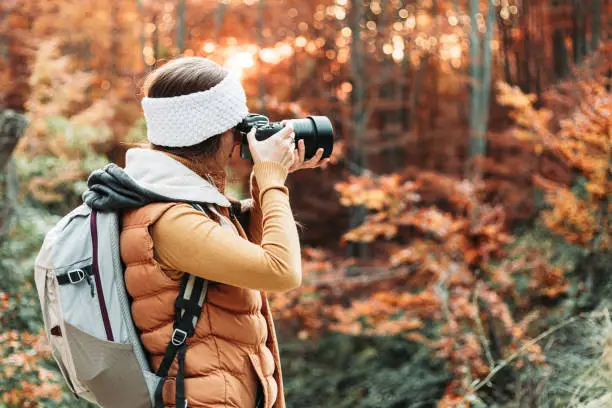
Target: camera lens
[[317, 132]]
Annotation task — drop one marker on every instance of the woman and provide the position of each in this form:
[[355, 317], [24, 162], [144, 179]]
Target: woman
[[191, 107]]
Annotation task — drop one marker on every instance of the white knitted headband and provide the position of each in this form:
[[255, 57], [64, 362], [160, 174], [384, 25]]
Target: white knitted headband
[[187, 120]]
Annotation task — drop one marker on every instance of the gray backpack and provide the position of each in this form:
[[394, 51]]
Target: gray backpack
[[87, 319]]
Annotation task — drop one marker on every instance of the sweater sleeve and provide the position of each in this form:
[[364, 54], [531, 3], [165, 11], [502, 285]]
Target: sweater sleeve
[[255, 227], [188, 240]]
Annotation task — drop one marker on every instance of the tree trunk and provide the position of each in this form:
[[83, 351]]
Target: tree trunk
[[260, 82], [357, 156], [596, 23], [406, 75], [180, 26], [114, 40], [12, 125], [475, 145], [141, 34], [578, 32], [389, 117], [486, 77], [219, 20], [559, 54], [155, 40], [480, 75], [540, 60], [4, 44], [506, 47], [358, 94], [435, 72], [526, 60]]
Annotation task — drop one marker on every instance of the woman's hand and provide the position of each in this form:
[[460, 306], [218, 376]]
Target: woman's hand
[[314, 161], [279, 147], [300, 155]]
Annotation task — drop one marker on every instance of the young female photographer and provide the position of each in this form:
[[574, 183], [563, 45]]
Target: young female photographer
[[191, 107]]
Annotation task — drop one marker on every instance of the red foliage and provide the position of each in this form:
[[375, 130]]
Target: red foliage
[[578, 134], [445, 246]]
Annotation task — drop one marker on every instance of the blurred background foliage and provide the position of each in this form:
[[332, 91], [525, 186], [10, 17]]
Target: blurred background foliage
[[456, 253]]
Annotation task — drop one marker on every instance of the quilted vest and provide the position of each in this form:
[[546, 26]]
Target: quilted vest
[[234, 347]]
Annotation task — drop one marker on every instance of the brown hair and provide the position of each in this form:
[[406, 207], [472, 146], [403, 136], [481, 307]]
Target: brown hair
[[183, 76]]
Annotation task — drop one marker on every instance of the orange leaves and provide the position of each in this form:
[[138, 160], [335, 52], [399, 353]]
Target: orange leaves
[[370, 231], [385, 192], [453, 243], [371, 317], [448, 246], [4, 302], [21, 357], [440, 190], [532, 124], [430, 220], [388, 196], [393, 327], [446, 237], [513, 96], [571, 217], [405, 256], [54, 74], [450, 279], [422, 301], [35, 392], [582, 139], [549, 282]]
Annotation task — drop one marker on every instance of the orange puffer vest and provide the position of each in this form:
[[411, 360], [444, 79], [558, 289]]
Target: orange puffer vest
[[234, 346]]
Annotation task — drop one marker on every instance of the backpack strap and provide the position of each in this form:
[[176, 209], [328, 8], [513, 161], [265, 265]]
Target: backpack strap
[[187, 309]]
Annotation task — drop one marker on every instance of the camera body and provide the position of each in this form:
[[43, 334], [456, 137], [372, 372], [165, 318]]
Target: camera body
[[316, 131]]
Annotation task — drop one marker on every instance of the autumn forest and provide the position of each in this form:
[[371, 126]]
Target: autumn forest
[[456, 249]]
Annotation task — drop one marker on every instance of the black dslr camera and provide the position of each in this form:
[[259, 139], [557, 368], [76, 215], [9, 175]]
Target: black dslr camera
[[317, 132]]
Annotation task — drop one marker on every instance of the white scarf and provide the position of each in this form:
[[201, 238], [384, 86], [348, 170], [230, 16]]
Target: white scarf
[[161, 174]]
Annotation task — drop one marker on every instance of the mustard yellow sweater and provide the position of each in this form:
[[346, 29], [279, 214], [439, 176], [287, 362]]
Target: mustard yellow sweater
[[266, 258]]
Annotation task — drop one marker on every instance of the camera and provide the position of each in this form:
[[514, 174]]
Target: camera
[[316, 131]]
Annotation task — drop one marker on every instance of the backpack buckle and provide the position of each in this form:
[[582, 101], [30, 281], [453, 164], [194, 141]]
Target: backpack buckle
[[178, 337], [75, 276]]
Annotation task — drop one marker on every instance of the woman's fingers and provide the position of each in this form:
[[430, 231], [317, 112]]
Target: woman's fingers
[[279, 147], [288, 144], [290, 158], [251, 136], [284, 133], [298, 161], [294, 165], [301, 151], [314, 160]]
